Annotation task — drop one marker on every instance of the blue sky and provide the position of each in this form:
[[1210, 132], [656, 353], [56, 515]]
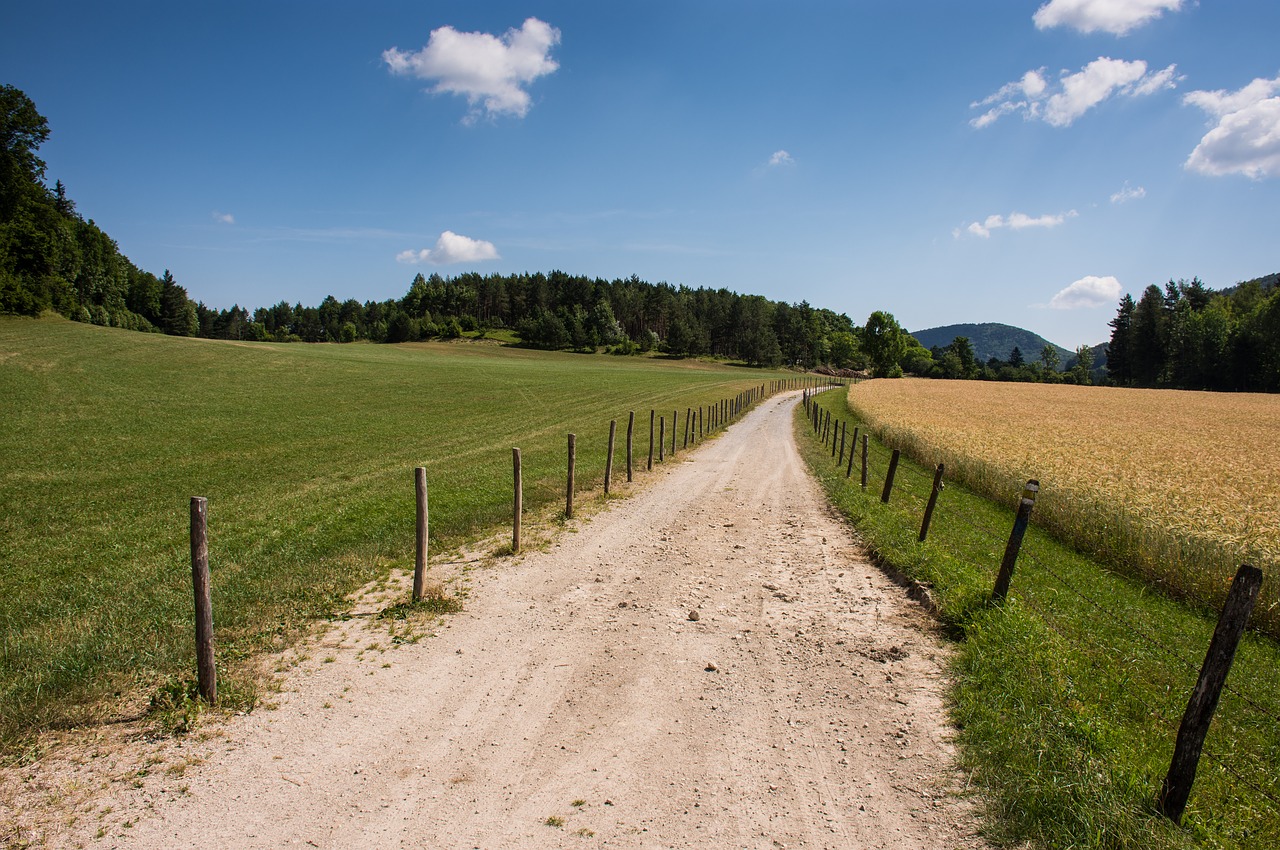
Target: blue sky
[[1020, 162]]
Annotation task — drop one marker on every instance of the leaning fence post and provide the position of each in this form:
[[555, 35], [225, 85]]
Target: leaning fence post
[[844, 434], [518, 480], [573, 460], [420, 547], [631, 427], [608, 461], [1204, 699], [933, 500], [853, 450], [888, 478], [1015, 540], [206, 672]]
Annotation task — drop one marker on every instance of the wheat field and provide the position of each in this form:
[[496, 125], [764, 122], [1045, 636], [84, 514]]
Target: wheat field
[[1180, 487]]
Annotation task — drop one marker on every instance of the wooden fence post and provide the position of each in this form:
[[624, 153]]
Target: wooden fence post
[[573, 460], [206, 672], [864, 461], [675, 426], [933, 500], [834, 432], [688, 414], [844, 434], [651, 421], [518, 481], [420, 547], [1204, 699], [608, 458], [662, 438], [888, 478], [1015, 540], [853, 450], [631, 427]]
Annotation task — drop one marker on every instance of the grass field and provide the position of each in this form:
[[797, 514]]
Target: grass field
[[1068, 696], [1179, 487], [306, 454]]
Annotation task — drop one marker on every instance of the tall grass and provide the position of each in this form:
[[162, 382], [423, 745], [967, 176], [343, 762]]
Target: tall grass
[[306, 454], [1068, 696]]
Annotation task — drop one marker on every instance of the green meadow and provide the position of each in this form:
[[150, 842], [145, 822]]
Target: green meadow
[[306, 455]]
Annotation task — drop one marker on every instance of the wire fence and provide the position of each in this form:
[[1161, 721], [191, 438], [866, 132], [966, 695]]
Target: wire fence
[[1155, 662]]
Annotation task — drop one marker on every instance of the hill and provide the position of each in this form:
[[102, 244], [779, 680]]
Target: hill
[[991, 339]]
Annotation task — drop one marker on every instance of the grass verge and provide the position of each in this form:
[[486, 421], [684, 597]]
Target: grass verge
[[1068, 696]]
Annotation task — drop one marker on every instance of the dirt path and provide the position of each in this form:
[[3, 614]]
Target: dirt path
[[576, 702]]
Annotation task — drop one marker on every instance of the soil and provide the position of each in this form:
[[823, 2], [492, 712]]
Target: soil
[[711, 662]]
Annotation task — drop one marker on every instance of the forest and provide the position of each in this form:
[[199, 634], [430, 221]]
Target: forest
[[1188, 336]]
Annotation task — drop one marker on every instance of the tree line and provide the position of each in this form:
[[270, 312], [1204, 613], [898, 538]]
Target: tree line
[[1188, 336], [51, 258]]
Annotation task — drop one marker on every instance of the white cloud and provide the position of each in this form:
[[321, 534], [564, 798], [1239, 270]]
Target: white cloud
[[1015, 221], [781, 158], [488, 70], [451, 248], [1061, 103], [1117, 17], [1128, 193], [223, 218], [1086, 293], [1246, 138]]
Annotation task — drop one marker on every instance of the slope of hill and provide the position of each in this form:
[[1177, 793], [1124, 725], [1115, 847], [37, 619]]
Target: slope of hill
[[991, 339]]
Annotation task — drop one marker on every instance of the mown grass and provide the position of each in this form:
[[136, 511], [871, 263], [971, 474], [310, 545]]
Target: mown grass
[[306, 454], [1068, 696]]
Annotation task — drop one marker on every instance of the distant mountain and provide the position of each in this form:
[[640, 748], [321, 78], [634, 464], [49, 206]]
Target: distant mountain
[[992, 339]]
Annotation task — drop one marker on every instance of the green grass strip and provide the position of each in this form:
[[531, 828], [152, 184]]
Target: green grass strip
[[1068, 696]]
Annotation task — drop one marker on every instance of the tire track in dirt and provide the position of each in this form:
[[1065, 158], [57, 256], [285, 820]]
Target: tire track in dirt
[[576, 702]]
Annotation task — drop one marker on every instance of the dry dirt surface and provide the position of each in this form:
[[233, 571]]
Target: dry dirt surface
[[709, 663]]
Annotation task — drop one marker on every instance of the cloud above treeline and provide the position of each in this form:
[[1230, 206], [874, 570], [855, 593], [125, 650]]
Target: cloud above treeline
[[1128, 193], [1061, 102], [451, 248], [1087, 293], [1014, 221], [1246, 136], [223, 218], [780, 158], [491, 72], [1118, 17]]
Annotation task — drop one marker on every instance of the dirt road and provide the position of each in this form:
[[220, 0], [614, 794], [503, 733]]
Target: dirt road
[[710, 663]]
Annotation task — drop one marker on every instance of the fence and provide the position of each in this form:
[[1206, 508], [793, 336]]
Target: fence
[[698, 424], [1136, 656]]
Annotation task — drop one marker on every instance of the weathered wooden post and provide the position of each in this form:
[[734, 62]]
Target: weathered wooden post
[[933, 501], [518, 480], [1204, 699], [652, 413], [853, 450], [834, 432], [688, 414], [608, 458], [888, 478], [662, 438], [844, 433], [573, 460], [675, 426], [420, 547], [864, 461], [631, 427], [206, 672], [1015, 540]]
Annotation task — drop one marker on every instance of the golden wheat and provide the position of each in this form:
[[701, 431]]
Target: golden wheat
[[1181, 486]]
